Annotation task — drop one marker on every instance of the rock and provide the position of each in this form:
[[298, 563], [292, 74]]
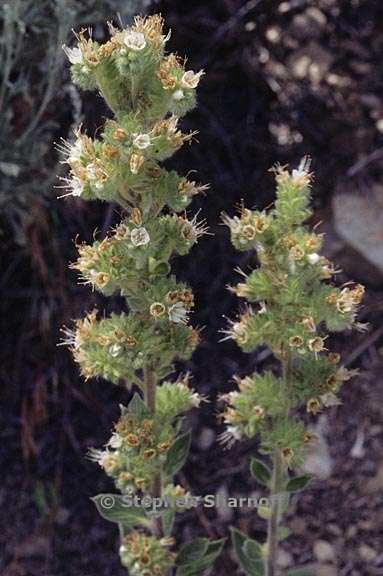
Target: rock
[[327, 570], [367, 553], [312, 62], [284, 559], [224, 512], [359, 221], [374, 484], [318, 462], [351, 531], [309, 24], [206, 438], [297, 526], [324, 551]]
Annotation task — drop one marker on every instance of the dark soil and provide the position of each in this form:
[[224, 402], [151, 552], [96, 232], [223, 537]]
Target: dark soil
[[283, 79]]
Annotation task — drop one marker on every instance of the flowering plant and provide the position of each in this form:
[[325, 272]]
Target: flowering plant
[[295, 304], [148, 91]]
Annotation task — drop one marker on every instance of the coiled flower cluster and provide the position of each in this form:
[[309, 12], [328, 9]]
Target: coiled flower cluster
[[148, 91], [292, 305]]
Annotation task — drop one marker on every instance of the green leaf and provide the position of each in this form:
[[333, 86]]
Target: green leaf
[[260, 471], [124, 529], [161, 269], [284, 501], [117, 508], [197, 556], [177, 454], [283, 532], [137, 405], [248, 553], [192, 551], [264, 512], [252, 549], [298, 483], [168, 521]]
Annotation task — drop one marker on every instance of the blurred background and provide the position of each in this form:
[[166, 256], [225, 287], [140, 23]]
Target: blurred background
[[283, 79]]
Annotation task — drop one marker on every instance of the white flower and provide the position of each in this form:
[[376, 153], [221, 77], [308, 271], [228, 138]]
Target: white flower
[[178, 313], [178, 95], [77, 340], [98, 456], [191, 79], [115, 350], [301, 176], [313, 258], [91, 171], [75, 185], [139, 237], [115, 441], [141, 141], [74, 151], [172, 124], [75, 55], [229, 437], [195, 399], [134, 40], [234, 432]]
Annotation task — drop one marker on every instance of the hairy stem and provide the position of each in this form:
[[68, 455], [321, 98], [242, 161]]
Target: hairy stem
[[277, 485], [150, 384], [272, 527]]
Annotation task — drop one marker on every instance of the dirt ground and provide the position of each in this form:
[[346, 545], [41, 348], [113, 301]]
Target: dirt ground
[[283, 79]]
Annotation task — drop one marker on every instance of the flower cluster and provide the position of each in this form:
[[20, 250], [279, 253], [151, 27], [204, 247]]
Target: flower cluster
[[293, 306], [147, 91], [145, 555], [139, 444], [120, 346], [116, 263]]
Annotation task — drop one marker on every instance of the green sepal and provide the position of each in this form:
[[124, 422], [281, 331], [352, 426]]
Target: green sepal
[[115, 508], [177, 454], [248, 553], [298, 483], [137, 406], [168, 517], [159, 268], [260, 471], [197, 556]]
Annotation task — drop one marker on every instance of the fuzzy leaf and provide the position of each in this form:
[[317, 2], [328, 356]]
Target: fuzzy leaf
[[168, 517], [283, 532], [260, 471], [298, 483], [197, 556], [246, 551], [137, 405], [177, 454], [192, 551], [252, 549], [264, 512], [116, 508]]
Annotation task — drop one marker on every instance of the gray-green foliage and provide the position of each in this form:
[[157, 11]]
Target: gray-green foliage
[[32, 89]]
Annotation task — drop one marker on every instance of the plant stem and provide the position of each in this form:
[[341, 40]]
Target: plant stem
[[277, 484], [150, 383], [272, 526]]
